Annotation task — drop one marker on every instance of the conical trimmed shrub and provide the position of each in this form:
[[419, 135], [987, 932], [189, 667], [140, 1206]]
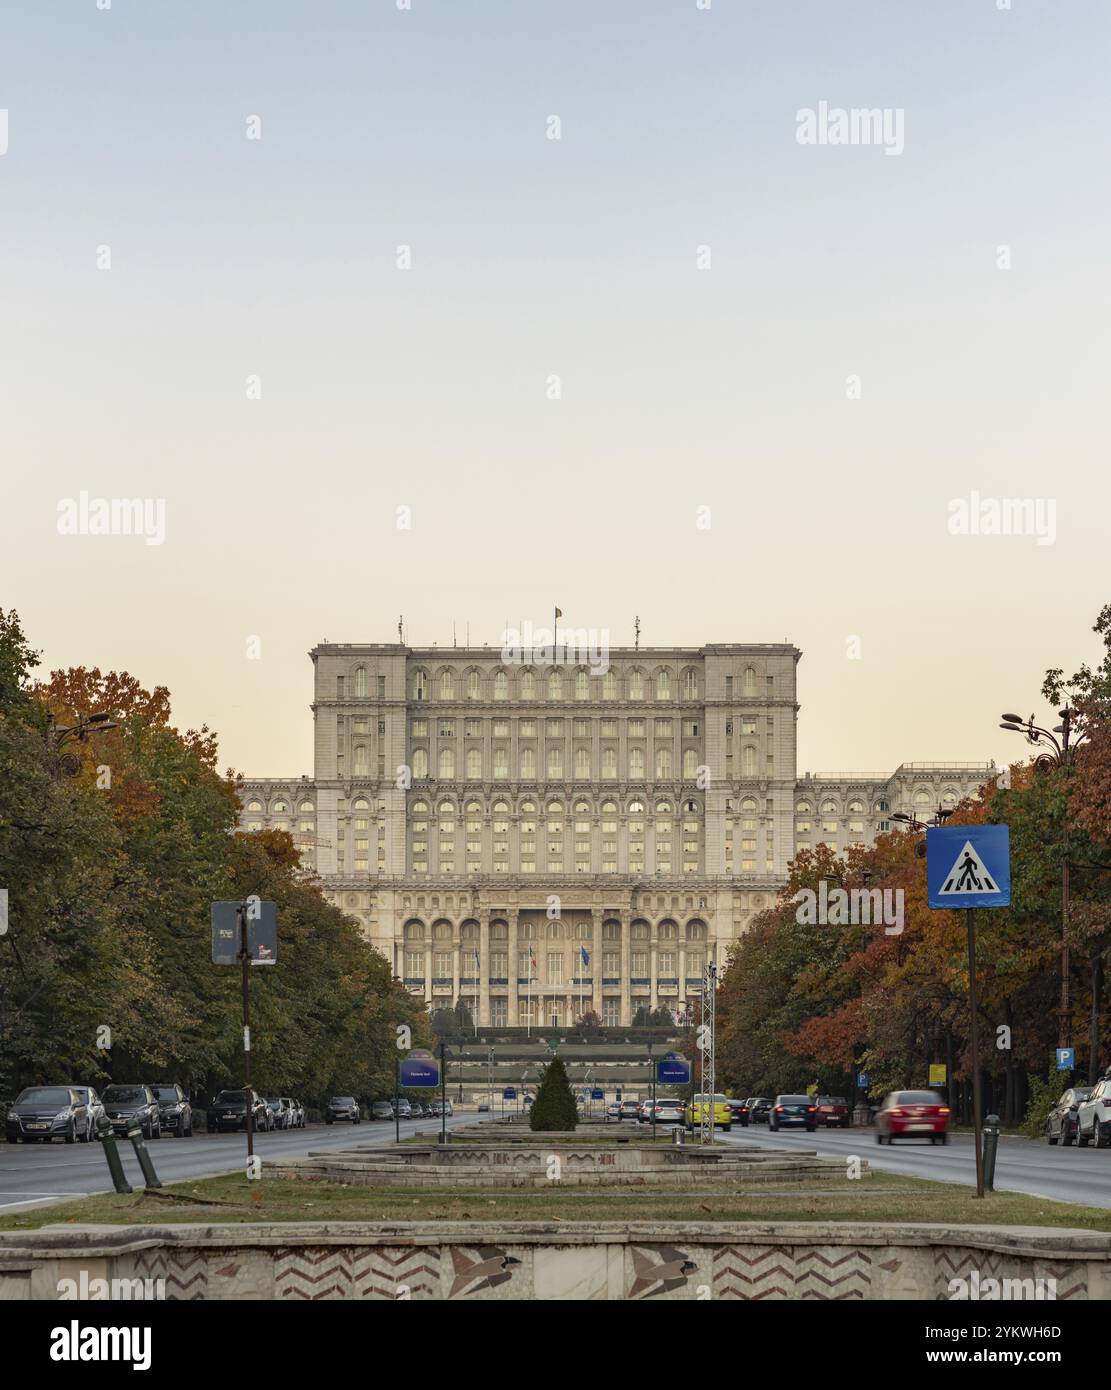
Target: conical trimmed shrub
[[554, 1107]]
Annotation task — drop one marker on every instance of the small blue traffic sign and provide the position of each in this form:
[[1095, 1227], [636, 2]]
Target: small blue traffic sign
[[968, 866], [1066, 1059], [510, 1093], [862, 1080], [597, 1095]]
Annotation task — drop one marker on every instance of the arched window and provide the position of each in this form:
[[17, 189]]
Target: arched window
[[307, 808], [420, 763], [663, 808], [856, 808], [636, 764], [362, 804], [528, 764], [802, 809], [528, 685], [663, 763], [609, 685], [554, 931], [474, 685], [254, 805], [748, 684], [636, 684], [446, 808], [474, 764], [748, 806], [923, 798], [555, 685], [279, 808], [420, 685], [501, 763], [582, 685], [501, 685], [690, 685], [555, 763], [360, 682], [829, 808], [447, 764], [690, 765], [663, 685], [950, 797], [609, 763], [748, 761], [447, 685], [582, 764], [362, 761]]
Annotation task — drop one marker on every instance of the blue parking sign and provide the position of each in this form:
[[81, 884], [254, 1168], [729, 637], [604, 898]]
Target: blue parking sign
[[1066, 1059], [968, 866]]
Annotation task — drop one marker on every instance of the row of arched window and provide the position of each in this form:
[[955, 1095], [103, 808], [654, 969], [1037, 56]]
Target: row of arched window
[[551, 683], [924, 799], [526, 806], [640, 930]]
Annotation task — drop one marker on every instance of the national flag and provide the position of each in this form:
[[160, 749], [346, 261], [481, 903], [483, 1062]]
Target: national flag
[[585, 955]]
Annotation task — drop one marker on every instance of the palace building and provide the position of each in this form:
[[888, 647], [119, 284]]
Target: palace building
[[545, 839]]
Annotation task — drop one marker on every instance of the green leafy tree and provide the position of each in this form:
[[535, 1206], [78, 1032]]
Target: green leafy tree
[[554, 1107]]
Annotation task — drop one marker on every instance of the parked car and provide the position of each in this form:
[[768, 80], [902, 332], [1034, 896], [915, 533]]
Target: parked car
[[175, 1114], [668, 1110], [47, 1112], [718, 1107], [298, 1110], [483, 1107], [280, 1110], [94, 1105], [833, 1112], [793, 1110], [628, 1109], [228, 1111], [613, 1110], [342, 1108], [644, 1111], [381, 1110], [912, 1115], [402, 1109], [759, 1109], [1093, 1116], [125, 1104], [1061, 1122], [739, 1110]]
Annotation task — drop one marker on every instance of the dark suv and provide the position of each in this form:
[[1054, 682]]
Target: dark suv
[[125, 1104], [228, 1111], [175, 1114], [342, 1108]]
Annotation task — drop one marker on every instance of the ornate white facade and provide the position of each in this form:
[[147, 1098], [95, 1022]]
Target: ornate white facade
[[544, 839]]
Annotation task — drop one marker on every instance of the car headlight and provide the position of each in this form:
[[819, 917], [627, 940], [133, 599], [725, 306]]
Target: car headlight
[[63, 1114]]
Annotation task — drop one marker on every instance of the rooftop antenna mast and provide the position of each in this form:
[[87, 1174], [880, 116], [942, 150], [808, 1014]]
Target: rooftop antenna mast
[[636, 629], [400, 629]]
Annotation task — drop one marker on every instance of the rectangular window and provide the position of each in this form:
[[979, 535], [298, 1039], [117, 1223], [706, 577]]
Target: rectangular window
[[414, 964], [473, 728], [555, 969], [639, 964], [611, 964], [381, 687]]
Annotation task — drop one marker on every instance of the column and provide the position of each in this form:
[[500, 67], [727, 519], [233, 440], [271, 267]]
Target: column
[[456, 948], [484, 969], [596, 915], [626, 997], [514, 969], [653, 970], [680, 998]]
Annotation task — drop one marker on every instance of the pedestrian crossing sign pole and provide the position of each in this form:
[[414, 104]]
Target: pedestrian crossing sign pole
[[969, 866]]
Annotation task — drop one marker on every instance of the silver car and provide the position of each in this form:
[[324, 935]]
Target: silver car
[[95, 1109], [1093, 1117]]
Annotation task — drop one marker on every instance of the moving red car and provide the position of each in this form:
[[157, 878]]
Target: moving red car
[[912, 1115], [833, 1110]]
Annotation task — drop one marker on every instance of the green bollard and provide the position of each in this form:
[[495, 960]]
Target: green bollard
[[139, 1144], [991, 1144], [112, 1154]]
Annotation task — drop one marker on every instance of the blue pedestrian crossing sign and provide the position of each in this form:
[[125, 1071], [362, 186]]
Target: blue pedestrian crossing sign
[[968, 866], [1066, 1059]]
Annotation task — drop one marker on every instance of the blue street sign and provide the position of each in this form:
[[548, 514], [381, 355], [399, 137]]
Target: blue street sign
[[673, 1070], [862, 1080], [510, 1093], [597, 1095], [1066, 1059], [420, 1069], [968, 866]]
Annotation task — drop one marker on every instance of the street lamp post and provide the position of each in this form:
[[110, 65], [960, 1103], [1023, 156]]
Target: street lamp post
[[1071, 735], [57, 735]]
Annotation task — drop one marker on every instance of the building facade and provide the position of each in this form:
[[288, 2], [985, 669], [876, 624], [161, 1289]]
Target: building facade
[[545, 838]]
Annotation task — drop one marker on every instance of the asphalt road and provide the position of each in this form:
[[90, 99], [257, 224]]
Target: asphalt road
[[1022, 1165], [31, 1174]]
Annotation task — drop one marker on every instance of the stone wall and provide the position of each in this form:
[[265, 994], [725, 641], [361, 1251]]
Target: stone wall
[[525, 1261]]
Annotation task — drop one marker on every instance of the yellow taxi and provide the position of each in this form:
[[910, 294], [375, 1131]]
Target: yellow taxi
[[692, 1112]]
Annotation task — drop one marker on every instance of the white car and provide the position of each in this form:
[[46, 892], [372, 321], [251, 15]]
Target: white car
[[1093, 1116]]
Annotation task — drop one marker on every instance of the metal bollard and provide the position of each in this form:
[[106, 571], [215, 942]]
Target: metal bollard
[[139, 1144], [115, 1164], [677, 1136], [991, 1144]]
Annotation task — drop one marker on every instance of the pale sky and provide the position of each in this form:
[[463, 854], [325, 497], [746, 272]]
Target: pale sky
[[681, 388]]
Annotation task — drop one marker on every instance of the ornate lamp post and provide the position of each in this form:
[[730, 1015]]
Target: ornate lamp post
[[1058, 746]]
